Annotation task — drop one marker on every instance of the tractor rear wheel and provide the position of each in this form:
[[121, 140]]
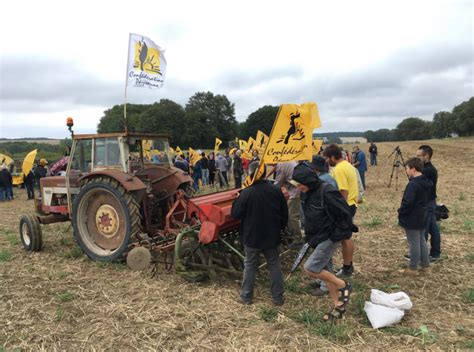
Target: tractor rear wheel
[[105, 219], [30, 233]]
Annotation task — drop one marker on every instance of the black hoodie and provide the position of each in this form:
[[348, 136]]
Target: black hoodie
[[412, 211], [327, 215]]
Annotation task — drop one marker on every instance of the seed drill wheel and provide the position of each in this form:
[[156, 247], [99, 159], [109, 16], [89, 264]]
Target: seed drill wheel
[[190, 258], [139, 258], [105, 219], [30, 233]]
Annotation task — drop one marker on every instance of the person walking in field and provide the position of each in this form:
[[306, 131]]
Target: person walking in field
[[238, 169], [29, 182], [360, 163], [346, 178], [262, 210], [212, 168], [413, 213], [205, 169], [221, 167], [7, 182]]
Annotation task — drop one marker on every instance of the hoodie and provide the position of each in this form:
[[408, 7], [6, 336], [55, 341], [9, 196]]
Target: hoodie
[[327, 215], [412, 211]]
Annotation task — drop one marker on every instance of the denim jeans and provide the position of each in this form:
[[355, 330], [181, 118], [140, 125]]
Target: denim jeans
[[205, 176], [2, 193], [373, 159], [9, 192], [250, 272], [433, 229]]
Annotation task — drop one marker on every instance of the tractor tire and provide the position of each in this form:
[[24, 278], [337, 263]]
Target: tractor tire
[[30, 233], [105, 219]]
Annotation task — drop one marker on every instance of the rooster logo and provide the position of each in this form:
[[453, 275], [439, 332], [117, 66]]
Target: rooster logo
[[147, 59]]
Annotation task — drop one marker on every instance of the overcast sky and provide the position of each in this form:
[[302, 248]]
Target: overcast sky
[[368, 64]]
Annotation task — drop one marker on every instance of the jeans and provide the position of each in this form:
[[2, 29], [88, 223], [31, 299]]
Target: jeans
[[222, 178], [196, 179], [418, 249], [30, 190], [362, 178], [9, 192], [205, 176], [2, 193], [250, 272], [433, 229], [373, 159], [238, 180]]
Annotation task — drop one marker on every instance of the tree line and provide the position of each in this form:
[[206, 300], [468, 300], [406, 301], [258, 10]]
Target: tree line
[[459, 121]]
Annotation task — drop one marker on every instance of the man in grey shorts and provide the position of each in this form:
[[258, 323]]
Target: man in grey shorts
[[328, 220]]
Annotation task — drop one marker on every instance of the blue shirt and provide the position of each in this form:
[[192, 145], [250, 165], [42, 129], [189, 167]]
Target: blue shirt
[[362, 167]]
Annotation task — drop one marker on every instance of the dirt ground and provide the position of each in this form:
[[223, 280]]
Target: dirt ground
[[58, 299]]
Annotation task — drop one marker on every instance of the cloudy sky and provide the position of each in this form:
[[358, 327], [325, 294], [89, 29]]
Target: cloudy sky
[[368, 64]]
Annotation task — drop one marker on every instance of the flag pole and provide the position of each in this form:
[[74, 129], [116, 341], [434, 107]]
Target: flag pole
[[126, 83]]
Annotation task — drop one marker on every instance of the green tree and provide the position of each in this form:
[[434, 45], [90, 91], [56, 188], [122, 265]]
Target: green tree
[[443, 124], [413, 128], [209, 116], [262, 119], [113, 119], [164, 117], [381, 135], [464, 118]]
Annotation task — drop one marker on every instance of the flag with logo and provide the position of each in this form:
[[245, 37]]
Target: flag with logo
[[291, 137], [146, 63], [217, 144], [193, 156], [261, 141], [178, 150], [317, 143], [251, 145], [242, 144]]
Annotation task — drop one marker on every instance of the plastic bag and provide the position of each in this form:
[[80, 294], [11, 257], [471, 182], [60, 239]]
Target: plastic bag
[[398, 300], [381, 316]]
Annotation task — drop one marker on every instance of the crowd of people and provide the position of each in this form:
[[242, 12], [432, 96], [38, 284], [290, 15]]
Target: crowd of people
[[317, 202]]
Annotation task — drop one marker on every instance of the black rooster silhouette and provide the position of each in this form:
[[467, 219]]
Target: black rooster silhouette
[[143, 54], [292, 129]]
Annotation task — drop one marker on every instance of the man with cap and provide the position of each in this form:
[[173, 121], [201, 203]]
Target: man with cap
[[263, 213], [328, 220]]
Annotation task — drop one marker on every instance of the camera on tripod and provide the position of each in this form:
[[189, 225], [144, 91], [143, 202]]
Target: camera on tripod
[[398, 162]]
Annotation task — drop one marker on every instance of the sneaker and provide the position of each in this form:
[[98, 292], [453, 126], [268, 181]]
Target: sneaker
[[407, 257], [317, 292], [434, 259], [343, 272], [245, 302]]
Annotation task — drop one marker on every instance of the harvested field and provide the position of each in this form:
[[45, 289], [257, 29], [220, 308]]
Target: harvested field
[[60, 300]]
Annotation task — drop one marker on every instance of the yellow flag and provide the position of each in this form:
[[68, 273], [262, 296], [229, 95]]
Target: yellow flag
[[193, 156], [261, 140], [292, 133], [146, 146], [317, 143], [232, 151], [171, 150], [178, 150], [217, 144], [251, 145], [291, 137], [242, 144]]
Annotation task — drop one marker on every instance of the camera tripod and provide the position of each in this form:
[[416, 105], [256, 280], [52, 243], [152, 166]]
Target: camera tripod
[[398, 162]]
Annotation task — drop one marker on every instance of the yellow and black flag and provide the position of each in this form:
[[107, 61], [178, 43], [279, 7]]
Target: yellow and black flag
[[317, 143], [217, 144], [291, 137], [193, 156]]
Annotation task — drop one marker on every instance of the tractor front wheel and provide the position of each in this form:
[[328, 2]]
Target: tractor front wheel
[[30, 233]]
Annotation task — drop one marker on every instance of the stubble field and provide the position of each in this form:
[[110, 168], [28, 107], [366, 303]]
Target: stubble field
[[58, 299]]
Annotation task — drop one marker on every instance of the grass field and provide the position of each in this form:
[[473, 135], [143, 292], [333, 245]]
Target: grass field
[[60, 300]]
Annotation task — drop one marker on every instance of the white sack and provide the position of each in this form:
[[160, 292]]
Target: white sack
[[398, 300], [380, 316]]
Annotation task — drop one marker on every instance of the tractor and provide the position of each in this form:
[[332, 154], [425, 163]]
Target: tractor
[[126, 201]]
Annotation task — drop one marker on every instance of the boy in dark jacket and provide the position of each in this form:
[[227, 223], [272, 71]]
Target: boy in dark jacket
[[263, 213], [413, 212], [328, 220]]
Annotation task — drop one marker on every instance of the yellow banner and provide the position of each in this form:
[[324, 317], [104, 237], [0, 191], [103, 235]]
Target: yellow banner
[[242, 145], [291, 137], [146, 146], [251, 145], [317, 143], [261, 139], [178, 150], [217, 144], [292, 133], [193, 156], [171, 150]]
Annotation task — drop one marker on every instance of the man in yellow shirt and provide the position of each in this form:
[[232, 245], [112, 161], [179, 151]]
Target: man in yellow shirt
[[346, 178]]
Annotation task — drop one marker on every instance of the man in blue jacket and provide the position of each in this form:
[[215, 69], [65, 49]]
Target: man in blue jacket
[[263, 213], [360, 163]]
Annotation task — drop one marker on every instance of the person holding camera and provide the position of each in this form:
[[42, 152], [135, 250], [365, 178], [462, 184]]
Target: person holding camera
[[412, 214]]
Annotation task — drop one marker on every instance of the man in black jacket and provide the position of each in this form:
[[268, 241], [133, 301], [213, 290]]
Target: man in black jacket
[[413, 212], [263, 213], [328, 220], [425, 153]]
